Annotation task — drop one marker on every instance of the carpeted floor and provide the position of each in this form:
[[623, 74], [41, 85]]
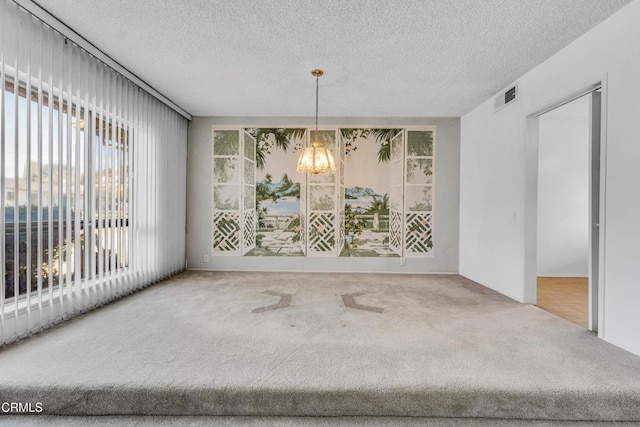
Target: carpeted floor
[[239, 421], [215, 343]]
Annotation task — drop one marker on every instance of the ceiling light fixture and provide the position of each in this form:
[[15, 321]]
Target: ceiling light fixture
[[316, 158]]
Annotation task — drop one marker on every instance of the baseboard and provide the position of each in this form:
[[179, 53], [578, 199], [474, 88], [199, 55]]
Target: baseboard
[[323, 271]]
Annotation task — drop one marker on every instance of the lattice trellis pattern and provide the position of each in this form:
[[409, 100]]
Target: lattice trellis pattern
[[249, 229], [395, 229], [418, 233], [322, 235], [226, 232]]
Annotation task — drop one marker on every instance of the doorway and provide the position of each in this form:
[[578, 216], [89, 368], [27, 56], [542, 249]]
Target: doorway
[[563, 206], [563, 211]]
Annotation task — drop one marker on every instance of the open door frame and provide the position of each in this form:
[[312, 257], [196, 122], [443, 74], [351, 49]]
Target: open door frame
[[597, 189]]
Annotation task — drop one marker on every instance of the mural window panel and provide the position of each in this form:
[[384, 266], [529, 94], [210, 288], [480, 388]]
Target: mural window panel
[[419, 198], [395, 200], [323, 178], [249, 197], [327, 137], [396, 174], [419, 171], [249, 150], [278, 190], [225, 197], [322, 198], [249, 172], [226, 143], [396, 151], [419, 143], [226, 170], [373, 183]]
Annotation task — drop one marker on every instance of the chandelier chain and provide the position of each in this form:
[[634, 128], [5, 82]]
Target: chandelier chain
[[317, 85]]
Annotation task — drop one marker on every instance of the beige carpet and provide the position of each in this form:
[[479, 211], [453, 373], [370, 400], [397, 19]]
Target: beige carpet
[[207, 343], [239, 421]]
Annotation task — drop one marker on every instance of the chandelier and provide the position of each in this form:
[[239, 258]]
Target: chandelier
[[316, 158]]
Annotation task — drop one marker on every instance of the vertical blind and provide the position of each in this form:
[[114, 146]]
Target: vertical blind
[[93, 172]]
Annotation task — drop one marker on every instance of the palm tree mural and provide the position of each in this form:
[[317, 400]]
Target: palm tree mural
[[275, 188], [268, 138], [382, 137], [380, 205]]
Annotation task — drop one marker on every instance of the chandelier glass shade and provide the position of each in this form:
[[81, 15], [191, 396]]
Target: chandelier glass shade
[[316, 159]]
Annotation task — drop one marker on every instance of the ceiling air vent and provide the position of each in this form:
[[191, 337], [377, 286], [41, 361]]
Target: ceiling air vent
[[506, 97]]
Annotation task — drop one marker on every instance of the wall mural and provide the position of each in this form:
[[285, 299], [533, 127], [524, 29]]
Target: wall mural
[[366, 177], [278, 191], [379, 203]]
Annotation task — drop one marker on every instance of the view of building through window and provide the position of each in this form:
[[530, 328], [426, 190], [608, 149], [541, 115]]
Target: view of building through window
[[66, 201]]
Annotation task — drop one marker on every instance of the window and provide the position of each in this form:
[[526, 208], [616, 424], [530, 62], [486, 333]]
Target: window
[[66, 206], [111, 195], [67, 156]]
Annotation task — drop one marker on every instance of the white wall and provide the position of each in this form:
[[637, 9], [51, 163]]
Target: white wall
[[563, 191], [492, 187], [446, 237]]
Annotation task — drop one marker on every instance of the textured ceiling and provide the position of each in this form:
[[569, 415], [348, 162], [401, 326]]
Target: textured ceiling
[[381, 58]]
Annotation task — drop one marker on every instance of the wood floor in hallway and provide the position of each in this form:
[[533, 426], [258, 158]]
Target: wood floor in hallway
[[567, 297]]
